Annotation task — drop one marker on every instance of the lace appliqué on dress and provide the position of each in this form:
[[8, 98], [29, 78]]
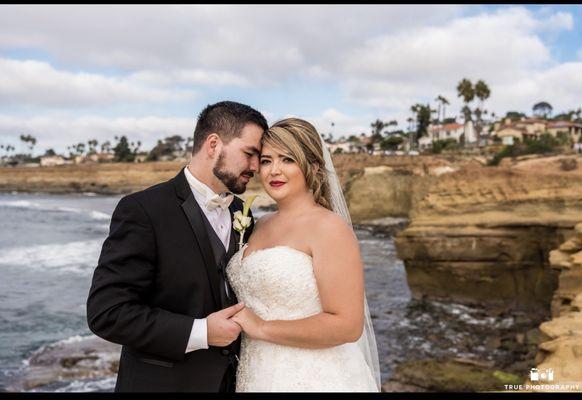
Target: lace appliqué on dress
[[279, 283]]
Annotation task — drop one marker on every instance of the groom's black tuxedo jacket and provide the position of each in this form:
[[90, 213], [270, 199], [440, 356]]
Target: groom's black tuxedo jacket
[[156, 274]]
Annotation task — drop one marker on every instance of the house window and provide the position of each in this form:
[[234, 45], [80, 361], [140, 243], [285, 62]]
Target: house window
[[508, 140]]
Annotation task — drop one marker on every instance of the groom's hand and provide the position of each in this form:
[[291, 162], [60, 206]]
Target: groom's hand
[[222, 331]]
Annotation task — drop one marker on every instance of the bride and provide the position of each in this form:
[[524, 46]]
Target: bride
[[306, 325]]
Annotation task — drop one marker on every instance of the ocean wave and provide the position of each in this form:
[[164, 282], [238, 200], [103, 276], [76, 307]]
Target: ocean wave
[[100, 215], [78, 257], [96, 215], [19, 204], [99, 385], [43, 348]]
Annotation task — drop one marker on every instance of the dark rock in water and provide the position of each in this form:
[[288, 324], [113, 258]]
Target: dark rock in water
[[453, 376], [383, 227], [394, 386], [74, 359]]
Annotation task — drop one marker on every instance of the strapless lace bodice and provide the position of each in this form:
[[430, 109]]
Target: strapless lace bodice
[[278, 283]]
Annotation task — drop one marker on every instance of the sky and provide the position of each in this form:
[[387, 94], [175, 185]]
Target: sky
[[69, 74]]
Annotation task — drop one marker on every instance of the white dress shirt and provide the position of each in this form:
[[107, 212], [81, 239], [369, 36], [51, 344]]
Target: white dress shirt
[[219, 219]]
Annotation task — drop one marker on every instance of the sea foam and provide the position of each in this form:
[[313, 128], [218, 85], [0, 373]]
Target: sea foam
[[79, 257]]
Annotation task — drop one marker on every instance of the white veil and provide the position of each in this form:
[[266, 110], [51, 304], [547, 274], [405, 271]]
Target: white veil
[[367, 342]]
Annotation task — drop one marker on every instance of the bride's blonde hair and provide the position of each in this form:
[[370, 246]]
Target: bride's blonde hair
[[299, 140]]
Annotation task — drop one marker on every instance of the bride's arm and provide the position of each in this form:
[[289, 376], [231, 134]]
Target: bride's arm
[[339, 274]]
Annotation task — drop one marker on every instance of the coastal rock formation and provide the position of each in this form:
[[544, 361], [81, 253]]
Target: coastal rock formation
[[505, 239], [562, 351], [483, 235], [75, 359], [448, 376], [107, 178], [390, 186]]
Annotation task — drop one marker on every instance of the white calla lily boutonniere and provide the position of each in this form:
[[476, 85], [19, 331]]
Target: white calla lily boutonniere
[[241, 221]]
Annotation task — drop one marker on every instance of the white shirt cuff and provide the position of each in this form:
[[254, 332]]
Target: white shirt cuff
[[198, 336]]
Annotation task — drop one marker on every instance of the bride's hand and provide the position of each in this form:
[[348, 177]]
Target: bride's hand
[[250, 322]]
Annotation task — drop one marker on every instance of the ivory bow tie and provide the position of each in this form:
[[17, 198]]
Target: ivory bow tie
[[217, 201]]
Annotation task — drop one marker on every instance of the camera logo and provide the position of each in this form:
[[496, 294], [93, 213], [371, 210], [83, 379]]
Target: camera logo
[[542, 375]]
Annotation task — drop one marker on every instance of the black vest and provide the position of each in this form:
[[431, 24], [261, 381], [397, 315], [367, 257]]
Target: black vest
[[222, 257]]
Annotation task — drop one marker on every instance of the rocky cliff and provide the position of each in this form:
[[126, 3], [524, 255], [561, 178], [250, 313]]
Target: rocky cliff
[[561, 353], [506, 239], [483, 235]]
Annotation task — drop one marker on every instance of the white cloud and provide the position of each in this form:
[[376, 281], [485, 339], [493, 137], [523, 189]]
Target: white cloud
[[344, 124], [261, 43], [189, 77], [60, 131], [38, 83], [558, 21], [393, 71], [384, 58]]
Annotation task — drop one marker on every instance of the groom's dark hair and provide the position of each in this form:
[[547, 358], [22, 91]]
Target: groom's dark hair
[[227, 119]]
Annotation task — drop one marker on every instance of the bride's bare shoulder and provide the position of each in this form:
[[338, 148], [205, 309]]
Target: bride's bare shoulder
[[332, 238], [331, 225]]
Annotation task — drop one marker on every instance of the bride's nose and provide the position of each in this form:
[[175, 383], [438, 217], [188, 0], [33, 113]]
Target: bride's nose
[[275, 170]]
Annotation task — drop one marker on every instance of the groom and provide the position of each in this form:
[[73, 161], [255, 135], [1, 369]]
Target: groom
[[159, 288]]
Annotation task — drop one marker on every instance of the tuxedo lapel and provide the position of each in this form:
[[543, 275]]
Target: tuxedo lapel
[[232, 208], [194, 215]]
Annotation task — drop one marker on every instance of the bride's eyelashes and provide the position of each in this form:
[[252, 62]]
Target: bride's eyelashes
[[286, 160]]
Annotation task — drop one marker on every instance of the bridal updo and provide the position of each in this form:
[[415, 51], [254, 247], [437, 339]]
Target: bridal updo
[[299, 140]]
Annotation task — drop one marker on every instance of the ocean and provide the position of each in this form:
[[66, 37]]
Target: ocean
[[49, 247]]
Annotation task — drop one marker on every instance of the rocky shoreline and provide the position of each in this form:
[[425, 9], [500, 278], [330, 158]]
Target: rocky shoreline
[[561, 351], [74, 359], [504, 240], [486, 237]]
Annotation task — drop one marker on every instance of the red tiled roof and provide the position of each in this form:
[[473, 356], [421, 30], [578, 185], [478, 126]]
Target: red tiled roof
[[446, 127], [517, 128], [562, 124]]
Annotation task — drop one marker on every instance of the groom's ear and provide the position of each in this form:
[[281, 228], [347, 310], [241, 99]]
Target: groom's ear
[[213, 142]]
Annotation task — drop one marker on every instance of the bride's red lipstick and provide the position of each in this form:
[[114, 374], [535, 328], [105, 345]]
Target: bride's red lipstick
[[276, 183]]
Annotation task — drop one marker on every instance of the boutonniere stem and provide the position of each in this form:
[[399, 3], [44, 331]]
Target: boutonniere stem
[[241, 221]]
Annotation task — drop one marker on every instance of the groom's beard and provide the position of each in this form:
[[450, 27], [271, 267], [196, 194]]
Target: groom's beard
[[230, 180]]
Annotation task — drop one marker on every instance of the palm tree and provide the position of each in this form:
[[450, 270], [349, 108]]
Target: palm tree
[[187, 144], [92, 145], [467, 92], [30, 140], [106, 147], [443, 102], [415, 109], [482, 92], [391, 123], [378, 126], [437, 99]]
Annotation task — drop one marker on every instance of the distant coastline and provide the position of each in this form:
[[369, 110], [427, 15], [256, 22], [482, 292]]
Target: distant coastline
[[106, 178]]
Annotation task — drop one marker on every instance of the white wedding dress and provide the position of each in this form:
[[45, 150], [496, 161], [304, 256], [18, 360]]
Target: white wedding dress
[[278, 283]]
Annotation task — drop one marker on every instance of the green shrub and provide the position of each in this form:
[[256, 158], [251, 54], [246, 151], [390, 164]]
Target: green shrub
[[546, 143], [439, 145]]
